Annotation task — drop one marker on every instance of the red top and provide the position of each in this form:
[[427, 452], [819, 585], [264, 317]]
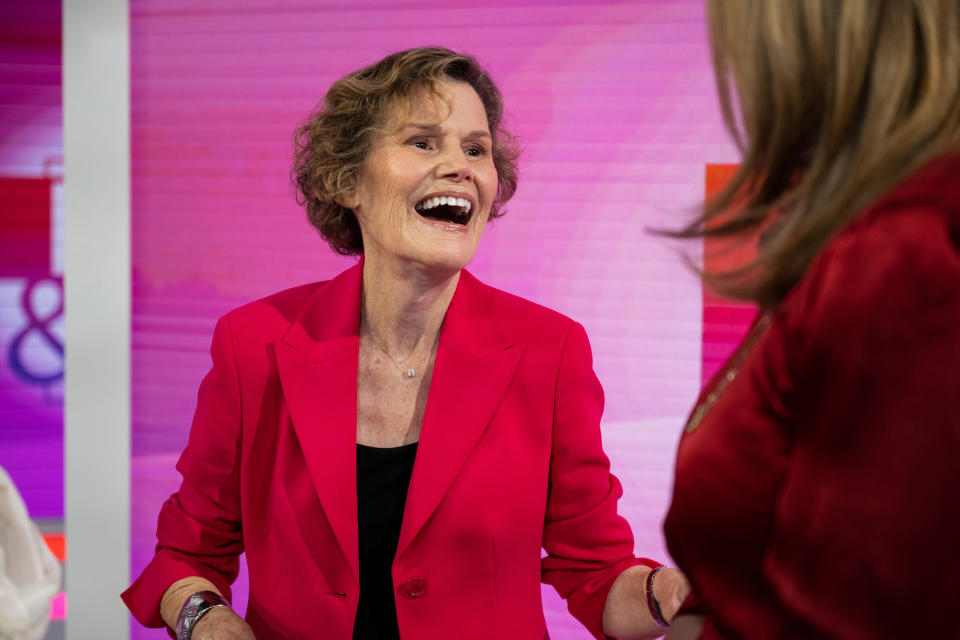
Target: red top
[[509, 463], [820, 495]]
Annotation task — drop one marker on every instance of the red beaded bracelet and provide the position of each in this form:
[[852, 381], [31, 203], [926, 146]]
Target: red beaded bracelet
[[652, 603]]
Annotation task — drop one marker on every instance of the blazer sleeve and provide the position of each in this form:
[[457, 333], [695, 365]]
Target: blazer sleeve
[[867, 523], [587, 543], [198, 531]]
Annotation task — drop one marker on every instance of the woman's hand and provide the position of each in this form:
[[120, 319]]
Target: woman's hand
[[670, 588], [221, 623], [626, 615]]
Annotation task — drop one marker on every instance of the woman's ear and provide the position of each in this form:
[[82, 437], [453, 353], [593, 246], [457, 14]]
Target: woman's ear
[[348, 197]]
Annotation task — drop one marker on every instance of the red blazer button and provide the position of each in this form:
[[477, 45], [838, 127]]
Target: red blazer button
[[414, 588]]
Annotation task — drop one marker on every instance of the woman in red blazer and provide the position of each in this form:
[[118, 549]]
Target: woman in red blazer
[[817, 492], [365, 509]]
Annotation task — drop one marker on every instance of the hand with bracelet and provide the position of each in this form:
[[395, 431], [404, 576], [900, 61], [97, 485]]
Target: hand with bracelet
[[643, 602], [195, 610]]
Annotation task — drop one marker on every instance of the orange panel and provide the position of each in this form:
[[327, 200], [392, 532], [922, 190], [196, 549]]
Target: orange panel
[[57, 543], [724, 321]]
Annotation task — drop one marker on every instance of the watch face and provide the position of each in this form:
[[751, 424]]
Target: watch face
[[195, 606]]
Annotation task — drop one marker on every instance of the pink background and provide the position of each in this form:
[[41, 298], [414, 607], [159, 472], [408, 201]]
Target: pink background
[[31, 259], [614, 104], [31, 320]]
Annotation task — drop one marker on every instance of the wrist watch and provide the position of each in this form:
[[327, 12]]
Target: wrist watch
[[194, 608]]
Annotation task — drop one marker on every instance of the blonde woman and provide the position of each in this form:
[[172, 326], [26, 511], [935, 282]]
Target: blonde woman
[[816, 491]]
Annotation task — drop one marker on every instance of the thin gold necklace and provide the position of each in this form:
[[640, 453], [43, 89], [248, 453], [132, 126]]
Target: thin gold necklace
[[410, 372]]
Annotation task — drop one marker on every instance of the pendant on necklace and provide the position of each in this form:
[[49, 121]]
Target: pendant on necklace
[[411, 373]]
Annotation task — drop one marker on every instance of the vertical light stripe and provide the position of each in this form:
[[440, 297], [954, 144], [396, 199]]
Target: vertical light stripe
[[97, 291]]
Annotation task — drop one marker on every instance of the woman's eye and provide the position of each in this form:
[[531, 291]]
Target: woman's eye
[[420, 144], [476, 151]]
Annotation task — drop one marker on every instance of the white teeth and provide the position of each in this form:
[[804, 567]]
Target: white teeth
[[451, 201]]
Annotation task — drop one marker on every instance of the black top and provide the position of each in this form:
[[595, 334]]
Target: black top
[[383, 477]]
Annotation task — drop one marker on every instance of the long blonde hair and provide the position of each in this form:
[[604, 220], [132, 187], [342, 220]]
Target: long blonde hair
[[840, 100]]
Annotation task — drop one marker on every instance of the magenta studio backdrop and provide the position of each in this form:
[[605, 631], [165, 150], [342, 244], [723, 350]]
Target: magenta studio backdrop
[[614, 104], [31, 256]]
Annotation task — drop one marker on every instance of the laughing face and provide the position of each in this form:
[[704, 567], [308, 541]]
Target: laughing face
[[423, 197]]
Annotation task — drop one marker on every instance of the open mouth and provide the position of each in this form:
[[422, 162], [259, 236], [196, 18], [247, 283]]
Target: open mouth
[[446, 209]]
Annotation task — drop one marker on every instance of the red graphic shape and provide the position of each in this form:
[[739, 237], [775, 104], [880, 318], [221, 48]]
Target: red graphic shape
[[57, 543], [24, 227]]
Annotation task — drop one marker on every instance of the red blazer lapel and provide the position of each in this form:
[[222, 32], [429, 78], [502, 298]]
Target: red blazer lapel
[[317, 363], [474, 365]]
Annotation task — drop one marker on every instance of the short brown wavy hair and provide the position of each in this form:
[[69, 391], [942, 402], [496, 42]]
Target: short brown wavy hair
[[333, 145]]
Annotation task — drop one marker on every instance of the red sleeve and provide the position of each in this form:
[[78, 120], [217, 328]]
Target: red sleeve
[[198, 531], [587, 542], [867, 522]]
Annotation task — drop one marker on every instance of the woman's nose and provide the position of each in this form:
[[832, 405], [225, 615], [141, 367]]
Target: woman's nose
[[453, 165]]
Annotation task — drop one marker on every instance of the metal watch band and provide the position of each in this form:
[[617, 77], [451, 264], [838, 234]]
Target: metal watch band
[[194, 608]]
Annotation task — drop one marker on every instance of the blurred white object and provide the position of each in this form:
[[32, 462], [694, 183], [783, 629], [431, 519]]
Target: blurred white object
[[29, 573]]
